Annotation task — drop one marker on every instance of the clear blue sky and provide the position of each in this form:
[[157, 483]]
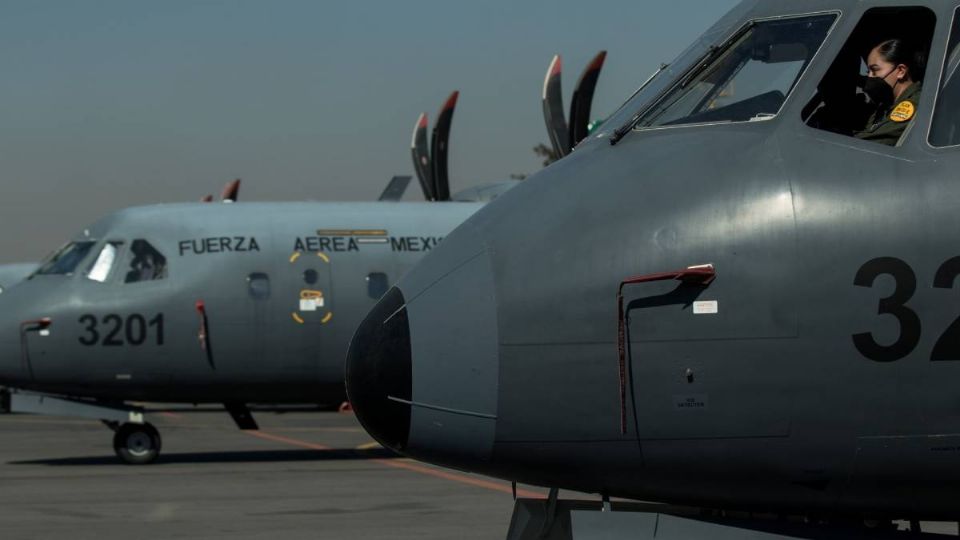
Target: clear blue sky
[[112, 103]]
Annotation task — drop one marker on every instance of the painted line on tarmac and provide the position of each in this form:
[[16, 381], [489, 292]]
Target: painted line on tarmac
[[409, 466], [369, 446]]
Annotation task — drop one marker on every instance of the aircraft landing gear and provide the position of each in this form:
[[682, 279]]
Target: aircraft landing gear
[[137, 444]]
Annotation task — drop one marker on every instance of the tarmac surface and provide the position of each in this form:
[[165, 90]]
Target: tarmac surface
[[303, 475]]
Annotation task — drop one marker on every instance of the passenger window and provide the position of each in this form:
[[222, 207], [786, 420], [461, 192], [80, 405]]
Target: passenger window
[[945, 130], [747, 79], [100, 270], [841, 104], [146, 263], [258, 286], [377, 285]]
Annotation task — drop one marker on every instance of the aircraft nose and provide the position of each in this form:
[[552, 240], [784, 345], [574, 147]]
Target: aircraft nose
[[422, 369], [379, 374]]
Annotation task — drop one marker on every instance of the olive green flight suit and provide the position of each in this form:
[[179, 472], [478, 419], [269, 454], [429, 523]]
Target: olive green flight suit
[[882, 128]]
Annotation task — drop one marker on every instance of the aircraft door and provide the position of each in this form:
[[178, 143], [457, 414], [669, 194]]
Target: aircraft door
[[303, 305], [700, 345]]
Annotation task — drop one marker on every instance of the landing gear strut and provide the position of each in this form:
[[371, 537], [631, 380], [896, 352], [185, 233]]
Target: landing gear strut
[[137, 444]]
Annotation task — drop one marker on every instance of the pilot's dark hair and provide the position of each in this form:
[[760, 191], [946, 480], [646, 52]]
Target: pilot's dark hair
[[900, 51]]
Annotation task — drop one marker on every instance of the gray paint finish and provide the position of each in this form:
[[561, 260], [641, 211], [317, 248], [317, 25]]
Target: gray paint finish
[[259, 352], [768, 403]]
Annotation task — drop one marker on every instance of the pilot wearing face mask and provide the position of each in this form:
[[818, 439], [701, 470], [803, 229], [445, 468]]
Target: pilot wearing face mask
[[893, 86]]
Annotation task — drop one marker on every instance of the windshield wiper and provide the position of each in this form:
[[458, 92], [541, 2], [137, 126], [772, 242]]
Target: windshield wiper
[[622, 130], [692, 74]]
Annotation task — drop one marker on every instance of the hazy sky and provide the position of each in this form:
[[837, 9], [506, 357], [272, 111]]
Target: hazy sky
[[113, 103]]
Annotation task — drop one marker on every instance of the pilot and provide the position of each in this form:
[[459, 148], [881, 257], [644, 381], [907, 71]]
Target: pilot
[[893, 85]]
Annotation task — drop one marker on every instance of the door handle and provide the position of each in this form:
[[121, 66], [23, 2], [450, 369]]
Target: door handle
[[702, 275]]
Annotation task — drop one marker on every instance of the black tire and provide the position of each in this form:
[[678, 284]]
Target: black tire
[[137, 444]]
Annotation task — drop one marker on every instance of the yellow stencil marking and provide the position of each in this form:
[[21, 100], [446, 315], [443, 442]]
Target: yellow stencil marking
[[323, 256], [326, 318], [903, 112], [297, 318], [294, 257], [307, 294]]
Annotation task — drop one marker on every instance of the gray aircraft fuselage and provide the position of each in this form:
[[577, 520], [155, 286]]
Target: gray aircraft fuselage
[[283, 287], [13, 273], [817, 372]]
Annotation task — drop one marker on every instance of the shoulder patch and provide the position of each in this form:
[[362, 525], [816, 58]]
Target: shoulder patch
[[903, 112]]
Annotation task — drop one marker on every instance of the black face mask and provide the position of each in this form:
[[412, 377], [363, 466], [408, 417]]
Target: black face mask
[[878, 90]]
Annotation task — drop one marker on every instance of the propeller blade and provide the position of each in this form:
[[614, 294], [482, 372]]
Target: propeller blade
[[395, 188], [583, 98], [553, 112], [420, 151], [231, 191], [439, 147]]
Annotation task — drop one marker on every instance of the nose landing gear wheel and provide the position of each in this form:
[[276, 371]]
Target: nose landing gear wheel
[[137, 444]]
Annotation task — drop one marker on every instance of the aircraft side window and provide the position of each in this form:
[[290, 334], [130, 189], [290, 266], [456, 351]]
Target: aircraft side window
[[945, 130], [258, 286], [747, 79], [65, 260], [100, 270], [146, 263], [377, 285], [841, 104]]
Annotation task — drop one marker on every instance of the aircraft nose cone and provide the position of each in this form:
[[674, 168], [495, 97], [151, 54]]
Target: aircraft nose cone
[[422, 370], [378, 372]]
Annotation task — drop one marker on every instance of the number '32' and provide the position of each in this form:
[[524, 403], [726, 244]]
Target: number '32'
[[947, 346]]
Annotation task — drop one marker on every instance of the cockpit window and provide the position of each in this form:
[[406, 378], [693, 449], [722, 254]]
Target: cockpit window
[[66, 259], [747, 79], [945, 130], [146, 263], [848, 102], [100, 270]]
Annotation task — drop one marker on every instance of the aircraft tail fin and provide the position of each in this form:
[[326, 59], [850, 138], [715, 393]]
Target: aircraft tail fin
[[395, 188]]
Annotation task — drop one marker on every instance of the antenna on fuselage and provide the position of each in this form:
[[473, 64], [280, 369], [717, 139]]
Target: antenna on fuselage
[[431, 163]]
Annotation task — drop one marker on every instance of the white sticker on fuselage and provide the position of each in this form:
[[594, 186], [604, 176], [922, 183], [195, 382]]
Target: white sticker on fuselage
[[308, 304], [705, 307]]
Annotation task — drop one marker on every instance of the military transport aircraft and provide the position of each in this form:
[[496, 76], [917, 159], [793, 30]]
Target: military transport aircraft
[[739, 310], [201, 303], [229, 303]]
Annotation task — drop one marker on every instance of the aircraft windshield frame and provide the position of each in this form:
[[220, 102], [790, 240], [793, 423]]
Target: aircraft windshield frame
[[638, 102], [727, 61], [65, 260]]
